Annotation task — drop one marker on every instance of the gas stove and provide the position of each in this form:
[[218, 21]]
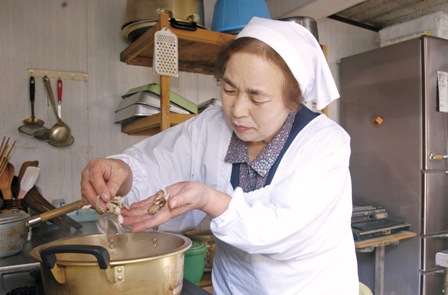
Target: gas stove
[[20, 273], [30, 283], [22, 283]]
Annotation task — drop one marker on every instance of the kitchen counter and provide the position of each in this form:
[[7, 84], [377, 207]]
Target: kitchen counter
[[15, 267]]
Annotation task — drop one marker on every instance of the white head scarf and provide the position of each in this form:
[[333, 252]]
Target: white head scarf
[[301, 52]]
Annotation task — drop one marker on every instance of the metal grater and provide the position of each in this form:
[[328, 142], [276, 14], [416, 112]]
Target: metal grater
[[165, 60]]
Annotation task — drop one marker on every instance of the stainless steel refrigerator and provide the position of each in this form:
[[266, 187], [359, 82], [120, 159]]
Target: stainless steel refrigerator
[[390, 105]]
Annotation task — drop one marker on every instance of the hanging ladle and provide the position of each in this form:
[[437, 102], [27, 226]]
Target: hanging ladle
[[60, 133], [32, 124], [33, 120]]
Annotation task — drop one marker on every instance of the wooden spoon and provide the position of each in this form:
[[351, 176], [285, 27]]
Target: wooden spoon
[[28, 180], [25, 165], [6, 180]]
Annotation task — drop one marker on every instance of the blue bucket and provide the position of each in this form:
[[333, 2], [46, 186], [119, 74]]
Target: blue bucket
[[230, 16]]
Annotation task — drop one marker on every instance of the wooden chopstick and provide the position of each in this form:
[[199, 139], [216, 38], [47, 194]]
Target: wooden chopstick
[[3, 142], [5, 152], [3, 148]]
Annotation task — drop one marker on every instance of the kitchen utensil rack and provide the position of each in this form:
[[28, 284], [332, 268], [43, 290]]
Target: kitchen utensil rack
[[63, 75], [198, 51]]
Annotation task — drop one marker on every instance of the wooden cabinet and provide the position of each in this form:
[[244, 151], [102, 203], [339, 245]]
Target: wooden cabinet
[[198, 51]]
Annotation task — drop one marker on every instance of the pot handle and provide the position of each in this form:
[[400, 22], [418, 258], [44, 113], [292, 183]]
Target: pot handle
[[101, 254], [189, 26]]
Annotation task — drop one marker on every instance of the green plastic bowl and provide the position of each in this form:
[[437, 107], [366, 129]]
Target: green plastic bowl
[[194, 262]]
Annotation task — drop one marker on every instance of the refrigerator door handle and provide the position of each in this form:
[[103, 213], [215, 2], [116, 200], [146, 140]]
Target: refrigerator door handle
[[437, 157], [438, 270], [440, 235]]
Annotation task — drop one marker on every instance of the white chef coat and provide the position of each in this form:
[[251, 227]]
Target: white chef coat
[[291, 237]]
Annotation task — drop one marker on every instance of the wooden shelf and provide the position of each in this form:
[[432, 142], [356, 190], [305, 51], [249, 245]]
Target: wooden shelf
[[198, 51], [384, 240], [151, 125]]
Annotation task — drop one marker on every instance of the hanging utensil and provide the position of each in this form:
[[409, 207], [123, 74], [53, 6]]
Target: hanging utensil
[[69, 142], [59, 87], [33, 120], [44, 135], [32, 124], [28, 180], [165, 61], [60, 133]]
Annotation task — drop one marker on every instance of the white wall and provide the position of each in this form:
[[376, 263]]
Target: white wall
[[84, 36], [343, 40]]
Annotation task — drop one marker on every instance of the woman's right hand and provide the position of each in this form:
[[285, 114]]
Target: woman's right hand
[[105, 178], [181, 197]]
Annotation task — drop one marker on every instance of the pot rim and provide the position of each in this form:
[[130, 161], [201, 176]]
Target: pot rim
[[187, 243], [12, 216]]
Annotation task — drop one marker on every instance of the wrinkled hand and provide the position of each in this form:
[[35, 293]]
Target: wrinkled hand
[[183, 197], [105, 178]]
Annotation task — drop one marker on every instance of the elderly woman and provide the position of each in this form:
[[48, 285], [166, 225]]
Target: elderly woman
[[272, 175]]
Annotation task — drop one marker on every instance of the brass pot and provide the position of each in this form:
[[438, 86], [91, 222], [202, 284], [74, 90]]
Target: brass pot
[[143, 14], [147, 263]]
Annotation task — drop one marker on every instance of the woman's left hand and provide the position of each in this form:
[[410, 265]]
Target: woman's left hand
[[182, 197]]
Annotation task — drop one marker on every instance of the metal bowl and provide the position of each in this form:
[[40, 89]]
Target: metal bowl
[[308, 22]]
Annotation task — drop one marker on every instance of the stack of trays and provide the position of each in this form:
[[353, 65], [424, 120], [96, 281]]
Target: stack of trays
[[145, 101], [371, 222]]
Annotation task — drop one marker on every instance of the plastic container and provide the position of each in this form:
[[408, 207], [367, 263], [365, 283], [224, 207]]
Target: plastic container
[[205, 236], [230, 16], [194, 262], [364, 290]]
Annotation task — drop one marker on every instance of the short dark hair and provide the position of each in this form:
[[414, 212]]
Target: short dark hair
[[291, 88]]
